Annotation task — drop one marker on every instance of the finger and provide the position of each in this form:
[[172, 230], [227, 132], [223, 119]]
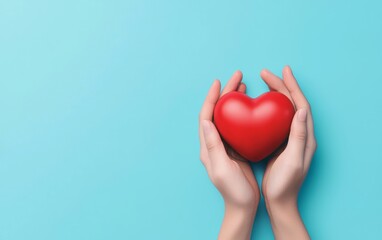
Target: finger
[[213, 142], [274, 83], [294, 89], [311, 144], [301, 102], [207, 110], [242, 88], [233, 83], [297, 138], [206, 114]]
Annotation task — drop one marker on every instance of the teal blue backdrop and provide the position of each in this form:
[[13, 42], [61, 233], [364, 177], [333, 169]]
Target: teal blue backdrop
[[99, 102]]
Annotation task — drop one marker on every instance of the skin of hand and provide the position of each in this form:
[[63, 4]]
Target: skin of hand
[[232, 176], [287, 169]]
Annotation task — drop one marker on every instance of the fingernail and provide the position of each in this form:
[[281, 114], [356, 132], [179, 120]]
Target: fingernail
[[301, 115], [206, 127]]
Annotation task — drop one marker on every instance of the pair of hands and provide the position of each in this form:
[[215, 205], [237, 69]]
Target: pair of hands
[[284, 173]]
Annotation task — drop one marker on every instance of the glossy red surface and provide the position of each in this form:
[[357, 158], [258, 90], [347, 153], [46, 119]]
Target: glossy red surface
[[254, 127]]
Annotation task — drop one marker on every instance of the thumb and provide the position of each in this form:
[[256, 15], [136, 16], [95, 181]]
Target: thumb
[[298, 134], [214, 144]]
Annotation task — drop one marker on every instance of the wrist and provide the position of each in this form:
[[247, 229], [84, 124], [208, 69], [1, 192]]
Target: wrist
[[241, 211], [286, 220], [242, 204], [237, 222]]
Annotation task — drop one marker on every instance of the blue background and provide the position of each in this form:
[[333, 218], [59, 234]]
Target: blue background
[[99, 102]]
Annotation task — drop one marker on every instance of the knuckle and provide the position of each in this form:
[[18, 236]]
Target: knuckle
[[219, 175], [312, 146], [211, 145], [307, 106], [299, 135]]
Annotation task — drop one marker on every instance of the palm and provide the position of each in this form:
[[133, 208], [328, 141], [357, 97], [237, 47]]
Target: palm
[[245, 170], [280, 177]]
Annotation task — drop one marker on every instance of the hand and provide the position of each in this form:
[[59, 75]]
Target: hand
[[286, 171], [232, 177]]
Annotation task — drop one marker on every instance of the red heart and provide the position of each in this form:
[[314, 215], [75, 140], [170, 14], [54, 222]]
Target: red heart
[[254, 127]]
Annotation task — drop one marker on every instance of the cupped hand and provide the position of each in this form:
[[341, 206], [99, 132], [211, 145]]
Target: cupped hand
[[232, 177], [287, 169]]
